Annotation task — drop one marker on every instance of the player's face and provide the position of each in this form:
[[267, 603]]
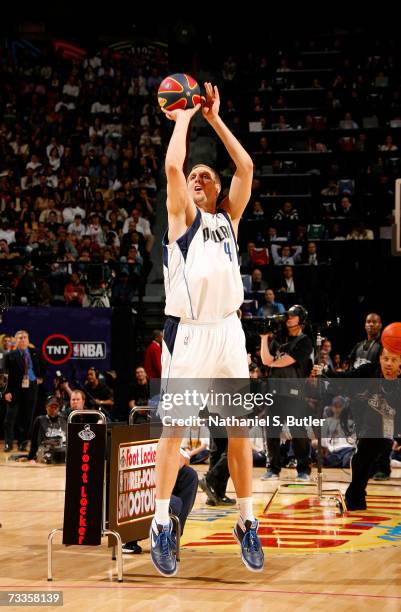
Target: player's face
[[373, 325], [202, 185], [390, 364]]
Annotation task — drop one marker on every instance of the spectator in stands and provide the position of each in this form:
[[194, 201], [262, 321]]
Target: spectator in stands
[[285, 255], [348, 123], [332, 189], [346, 209], [123, 291], [77, 228], [336, 232], [325, 352], [257, 282], [286, 214], [139, 391], [388, 144], [310, 257], [257, 213], [74, 291], [367, 351], [270, 306], [98, 394], [360, 232], [288, 283], [273, 236], [153, 355]]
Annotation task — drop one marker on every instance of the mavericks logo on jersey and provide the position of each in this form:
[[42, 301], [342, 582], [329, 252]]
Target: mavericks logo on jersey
[[218, 235]]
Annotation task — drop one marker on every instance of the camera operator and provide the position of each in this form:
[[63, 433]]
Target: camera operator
[[290, 359], [49, 435]]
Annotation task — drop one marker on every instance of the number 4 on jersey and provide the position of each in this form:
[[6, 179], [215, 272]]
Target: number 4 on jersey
[[228, 250]]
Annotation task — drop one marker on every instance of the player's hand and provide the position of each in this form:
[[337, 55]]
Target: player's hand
[[210, 103], [178, 113], [8, 397]]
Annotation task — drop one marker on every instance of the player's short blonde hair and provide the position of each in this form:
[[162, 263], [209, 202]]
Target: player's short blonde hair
[[212, 170]]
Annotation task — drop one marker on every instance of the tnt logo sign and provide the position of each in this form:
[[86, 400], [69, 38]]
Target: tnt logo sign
[[57, 349]]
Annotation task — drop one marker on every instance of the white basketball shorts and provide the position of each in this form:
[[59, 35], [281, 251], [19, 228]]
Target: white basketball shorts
[[194, 349]]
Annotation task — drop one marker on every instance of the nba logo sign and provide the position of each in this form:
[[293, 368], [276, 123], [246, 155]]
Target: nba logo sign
[[75, 350]]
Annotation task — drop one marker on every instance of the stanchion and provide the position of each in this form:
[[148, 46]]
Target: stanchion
[[137, 410], [104, 530]]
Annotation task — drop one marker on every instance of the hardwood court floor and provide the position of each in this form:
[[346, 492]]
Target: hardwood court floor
[[315, 560]]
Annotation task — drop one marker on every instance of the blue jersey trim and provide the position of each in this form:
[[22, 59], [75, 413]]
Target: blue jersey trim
[[185, 240], [170, 332], [227, 216]]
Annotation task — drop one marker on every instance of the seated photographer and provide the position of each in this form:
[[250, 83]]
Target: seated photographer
[[49, 434], [197, 444], [338, 437]]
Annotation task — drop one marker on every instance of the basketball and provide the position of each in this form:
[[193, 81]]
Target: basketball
[[391, 338], [178, 91]]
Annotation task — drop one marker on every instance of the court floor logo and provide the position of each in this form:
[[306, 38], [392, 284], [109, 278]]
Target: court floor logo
[[298, 524], [57, 349]]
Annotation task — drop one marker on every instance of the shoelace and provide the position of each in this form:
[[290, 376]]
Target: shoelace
[[251, 540], [166, 543]]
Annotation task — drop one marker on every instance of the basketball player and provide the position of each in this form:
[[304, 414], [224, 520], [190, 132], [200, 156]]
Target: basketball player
[[203, 337]]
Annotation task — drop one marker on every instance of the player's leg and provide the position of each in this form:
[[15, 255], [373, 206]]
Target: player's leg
[[241, 465], [162, 544], [233, 364]]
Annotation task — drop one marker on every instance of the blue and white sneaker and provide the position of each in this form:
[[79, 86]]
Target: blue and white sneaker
[[163, 548], [303, 477], [251, 548]]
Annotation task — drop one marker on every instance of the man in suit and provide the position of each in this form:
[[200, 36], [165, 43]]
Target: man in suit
[[25, 371]]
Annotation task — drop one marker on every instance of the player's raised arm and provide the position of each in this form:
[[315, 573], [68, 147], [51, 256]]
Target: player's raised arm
[[241, 184], [178, 199]]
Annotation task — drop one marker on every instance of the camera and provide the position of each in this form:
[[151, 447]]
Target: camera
[[266, 325], [59, 378]]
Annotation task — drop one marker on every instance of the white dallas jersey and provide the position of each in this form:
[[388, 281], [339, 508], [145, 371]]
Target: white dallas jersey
[[201, 270]]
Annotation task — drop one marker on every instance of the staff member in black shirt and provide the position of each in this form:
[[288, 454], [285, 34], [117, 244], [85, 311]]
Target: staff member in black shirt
[[289, 360]]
